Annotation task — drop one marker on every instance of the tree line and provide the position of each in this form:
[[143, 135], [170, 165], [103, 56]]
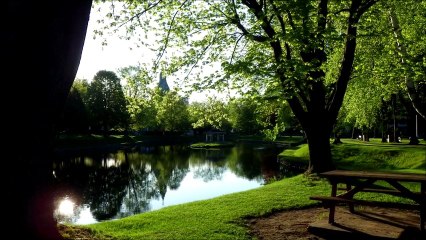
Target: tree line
[[104, 106]]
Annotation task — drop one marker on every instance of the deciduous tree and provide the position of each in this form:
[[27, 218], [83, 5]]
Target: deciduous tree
[[106, 102], [172, 112], [212, 114]]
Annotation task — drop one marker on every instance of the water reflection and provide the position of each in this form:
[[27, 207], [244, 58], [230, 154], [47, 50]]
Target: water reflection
[[101, 186]]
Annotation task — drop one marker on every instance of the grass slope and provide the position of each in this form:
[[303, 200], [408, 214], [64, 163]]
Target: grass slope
[[218, 218]]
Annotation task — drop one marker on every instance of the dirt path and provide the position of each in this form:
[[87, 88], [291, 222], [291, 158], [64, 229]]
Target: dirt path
[[380, 223], [285, 225]]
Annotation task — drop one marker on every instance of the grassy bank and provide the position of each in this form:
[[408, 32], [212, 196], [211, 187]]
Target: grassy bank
[[223, 217], [218, 218], [373, 155]]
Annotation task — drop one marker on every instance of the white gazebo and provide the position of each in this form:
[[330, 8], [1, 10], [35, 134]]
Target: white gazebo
[[213, 136]]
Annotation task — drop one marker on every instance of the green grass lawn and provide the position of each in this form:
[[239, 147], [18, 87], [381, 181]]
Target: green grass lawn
[[223, 217], [398, 157]]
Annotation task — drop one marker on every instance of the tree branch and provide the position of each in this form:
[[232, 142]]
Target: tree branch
[[341, 84], [237, 21], [260, 15], [267, 27], [297, 109], [322, 16], [278, 15], [290, 20], [235, 48], [199, 56], [169, 30], [364, 7], [137, 15]]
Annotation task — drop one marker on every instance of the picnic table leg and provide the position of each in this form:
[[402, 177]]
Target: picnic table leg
[[423, 206], [351, 206], [332, 205]]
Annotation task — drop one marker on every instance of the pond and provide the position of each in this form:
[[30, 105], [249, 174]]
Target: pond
[[97, 186]]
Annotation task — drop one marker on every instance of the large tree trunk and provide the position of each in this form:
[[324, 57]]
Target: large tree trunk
[[44, 41], [318, 134]]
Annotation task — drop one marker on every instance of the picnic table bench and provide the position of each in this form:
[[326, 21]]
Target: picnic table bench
[[363, 181]]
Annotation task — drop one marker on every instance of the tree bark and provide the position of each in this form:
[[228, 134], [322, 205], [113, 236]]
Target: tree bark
[[411, 120], [42, 45], [318, 135]]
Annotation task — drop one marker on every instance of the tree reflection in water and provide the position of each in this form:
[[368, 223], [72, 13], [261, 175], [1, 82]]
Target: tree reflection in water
[[124, 183]]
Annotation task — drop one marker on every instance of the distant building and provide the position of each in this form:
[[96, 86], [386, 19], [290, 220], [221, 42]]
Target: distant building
[[215, 136], [162, 84], [164, 87]]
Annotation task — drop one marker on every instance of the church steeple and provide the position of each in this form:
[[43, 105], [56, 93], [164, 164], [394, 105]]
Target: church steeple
[[162, 84]]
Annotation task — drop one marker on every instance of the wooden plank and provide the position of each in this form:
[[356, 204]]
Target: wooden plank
[[327, 199], [384, 190], [405, 177], [357, 188], [405, 191]]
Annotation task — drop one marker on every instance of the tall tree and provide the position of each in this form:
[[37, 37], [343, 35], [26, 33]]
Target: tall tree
[[42, 42], [140, 101], [142, 113], [283, 45], [243, 115], [390, 57], [172, 112], [137, 81], [106, 101], [212, 114], [408, 22]]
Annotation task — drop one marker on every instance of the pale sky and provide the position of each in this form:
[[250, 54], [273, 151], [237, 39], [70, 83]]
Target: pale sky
[[116, 54]]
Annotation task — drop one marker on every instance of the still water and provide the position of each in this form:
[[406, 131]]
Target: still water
[[97, 186]]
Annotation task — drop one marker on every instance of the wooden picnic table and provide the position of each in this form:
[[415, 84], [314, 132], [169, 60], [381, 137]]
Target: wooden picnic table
[[363, 181]]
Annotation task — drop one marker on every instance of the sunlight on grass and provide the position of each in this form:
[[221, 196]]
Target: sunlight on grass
[[218, 218]]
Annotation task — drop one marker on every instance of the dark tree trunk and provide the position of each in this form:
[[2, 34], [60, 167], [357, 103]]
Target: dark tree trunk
[[395, 137], [411, 120], [318, 135], [337, 140], [42, 48]]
